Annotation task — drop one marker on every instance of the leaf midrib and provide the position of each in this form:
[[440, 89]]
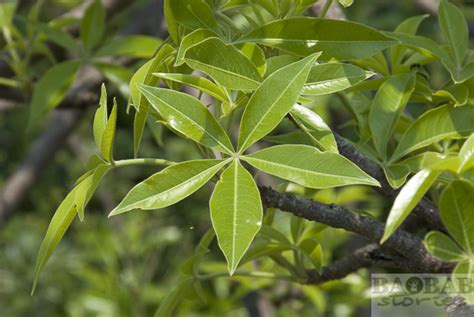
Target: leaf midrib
[[228, 72], [244, 144], [197, 125], [246, 158], [191, 179]]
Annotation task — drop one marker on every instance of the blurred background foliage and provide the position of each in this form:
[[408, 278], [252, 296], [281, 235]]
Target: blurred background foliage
[[125, 266]]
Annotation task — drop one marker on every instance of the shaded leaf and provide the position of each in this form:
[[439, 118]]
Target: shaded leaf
[[315, 127], [50, 90], [435, 125], [456, 205], [224, 63], [139, 46], [93, 25], [386, 108], [443, 247], [337, 39], [454, 27]]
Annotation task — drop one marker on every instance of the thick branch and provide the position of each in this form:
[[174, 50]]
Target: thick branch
[[369, 255], [425, 208], [406, 244]]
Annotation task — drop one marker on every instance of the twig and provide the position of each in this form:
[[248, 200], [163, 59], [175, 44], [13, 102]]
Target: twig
[[425, 208], [406, 244]]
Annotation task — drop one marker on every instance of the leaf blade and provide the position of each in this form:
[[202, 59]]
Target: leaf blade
[[169, 186], [272, 101], [188, 116], [309, 167], [244, 211]]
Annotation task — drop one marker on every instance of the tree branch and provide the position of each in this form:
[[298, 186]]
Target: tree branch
[[425, 208], [406, 244]]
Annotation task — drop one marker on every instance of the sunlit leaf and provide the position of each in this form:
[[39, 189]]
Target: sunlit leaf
[[309, 167], [236, 213], [407, 199], [443, 247], [189, 116], [272, 101], [169, 186]]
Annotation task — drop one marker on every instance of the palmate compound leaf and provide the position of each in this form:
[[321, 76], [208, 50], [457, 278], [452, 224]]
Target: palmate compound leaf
[[309, 167], [169, 186], [189, 116], [236, 213], [337, 39], [272, 101]]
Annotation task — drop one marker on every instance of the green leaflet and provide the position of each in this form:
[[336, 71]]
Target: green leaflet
[[454, 27], [144, 75], [272, 101], [456, 206], [309, 167], [169, 186], [100, 118], [255, 54], [333, 77], [138, 46], [434, 125], [224, 63], [274, 63], [407, 199], [188, 116], [455, 94], [236, 213], [51, 89], [86, 188], [315, 127], [337, 39], [192, 14], [108, 135], [466, 155], [433, 50], [93, 25], [408, 26], [386, 108], [443, 247], [201, 83], [189, 40], [57, 227], [7, 10]]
